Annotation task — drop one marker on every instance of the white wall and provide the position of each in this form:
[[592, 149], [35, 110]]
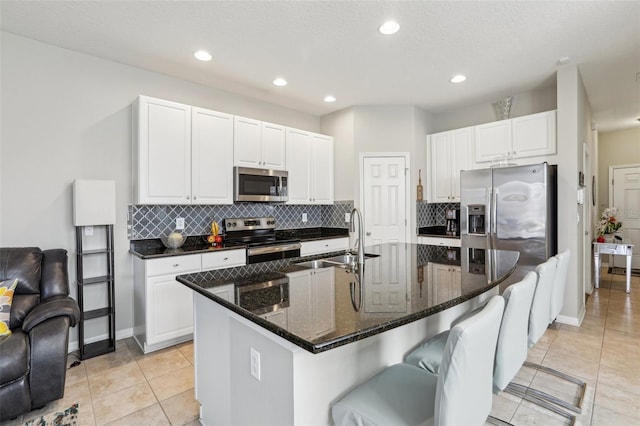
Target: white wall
[[523, 104], [395, 128], [67, 115], [615, 148], [574, 129]]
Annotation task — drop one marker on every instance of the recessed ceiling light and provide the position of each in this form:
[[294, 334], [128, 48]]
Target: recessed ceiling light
[[203, 55], [280, 82], [329, 98], [458, 78], [389, 27]]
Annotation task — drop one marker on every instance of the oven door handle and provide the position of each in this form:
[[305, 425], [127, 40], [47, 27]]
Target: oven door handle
[[254, 251]]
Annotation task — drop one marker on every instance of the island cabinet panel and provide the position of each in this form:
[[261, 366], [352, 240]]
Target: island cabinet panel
[[258, 144], [310, 165], [181, 154], [448, 154], [521, 137]]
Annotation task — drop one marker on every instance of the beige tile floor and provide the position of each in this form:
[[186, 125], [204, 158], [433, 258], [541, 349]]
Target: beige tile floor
[[129, 388]]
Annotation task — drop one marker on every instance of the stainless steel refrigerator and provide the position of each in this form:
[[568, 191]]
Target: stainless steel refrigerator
[[511, 208]]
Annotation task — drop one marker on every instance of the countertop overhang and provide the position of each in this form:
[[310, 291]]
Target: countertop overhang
[[480, 271]]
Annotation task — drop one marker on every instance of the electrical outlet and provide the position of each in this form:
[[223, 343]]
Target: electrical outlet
[[180, 223], [255, 364], [304, 217], [88, 231], [347, 216]]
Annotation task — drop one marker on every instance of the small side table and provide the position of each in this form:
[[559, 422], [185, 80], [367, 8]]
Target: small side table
[[619, 248]]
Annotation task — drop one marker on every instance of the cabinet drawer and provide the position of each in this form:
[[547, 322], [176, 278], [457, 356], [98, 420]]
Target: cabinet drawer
[[223, 259], [435, 241], [324, 246], [174, 265]]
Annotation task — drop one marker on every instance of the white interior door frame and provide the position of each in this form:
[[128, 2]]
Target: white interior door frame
[[407, 181], [611, 170]]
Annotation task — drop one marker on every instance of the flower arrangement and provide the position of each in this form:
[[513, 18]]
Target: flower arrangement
[[608, 223]]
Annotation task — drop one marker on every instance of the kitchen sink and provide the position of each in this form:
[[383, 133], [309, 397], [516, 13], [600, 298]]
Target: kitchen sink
[[341, 261], [347, 259]]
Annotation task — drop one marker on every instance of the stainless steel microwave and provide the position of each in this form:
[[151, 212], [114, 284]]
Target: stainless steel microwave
[[260, 185]]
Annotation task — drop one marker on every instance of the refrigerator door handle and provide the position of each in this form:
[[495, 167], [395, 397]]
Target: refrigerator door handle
[[494, 212]]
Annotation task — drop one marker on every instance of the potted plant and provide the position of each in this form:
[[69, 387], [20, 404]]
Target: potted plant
[[608, 223]]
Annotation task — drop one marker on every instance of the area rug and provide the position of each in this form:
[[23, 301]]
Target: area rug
[[623, 271], [68, 417]]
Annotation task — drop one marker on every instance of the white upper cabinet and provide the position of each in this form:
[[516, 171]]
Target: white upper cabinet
[[211, 157], [534, 134], [528, 136], [161, 152], [181, 154], [449, 153], [322, 169], [310, 166], [258, 144]]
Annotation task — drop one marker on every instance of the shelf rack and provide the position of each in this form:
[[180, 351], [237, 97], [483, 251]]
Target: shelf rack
[[108, 344]]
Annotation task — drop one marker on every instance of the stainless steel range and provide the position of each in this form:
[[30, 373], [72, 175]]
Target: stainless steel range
[[259, 235]]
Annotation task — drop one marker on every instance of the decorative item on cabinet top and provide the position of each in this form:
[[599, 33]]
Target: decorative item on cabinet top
[[503, 108]]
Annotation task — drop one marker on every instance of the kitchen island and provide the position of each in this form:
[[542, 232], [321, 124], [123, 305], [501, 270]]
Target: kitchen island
[[282, 344]]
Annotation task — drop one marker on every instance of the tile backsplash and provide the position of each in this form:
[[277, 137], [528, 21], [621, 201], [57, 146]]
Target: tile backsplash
[[432, 214], [155, 221]]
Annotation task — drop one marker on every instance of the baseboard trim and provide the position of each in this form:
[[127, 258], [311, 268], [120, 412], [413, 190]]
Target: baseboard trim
[[575, 321], [120, 334]]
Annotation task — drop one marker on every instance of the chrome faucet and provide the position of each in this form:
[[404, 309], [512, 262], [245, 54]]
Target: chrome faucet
[[352, 228]]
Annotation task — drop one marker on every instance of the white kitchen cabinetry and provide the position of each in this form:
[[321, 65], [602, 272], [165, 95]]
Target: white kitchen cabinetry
[[163, 307], [435, 241], [258, 144], [309, 248], [310, 166], [444, 282], [311, 311], [450, 152], [181, 154], [528, 136]]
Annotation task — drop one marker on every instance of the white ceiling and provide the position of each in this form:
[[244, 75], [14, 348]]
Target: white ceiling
[[333, 47]]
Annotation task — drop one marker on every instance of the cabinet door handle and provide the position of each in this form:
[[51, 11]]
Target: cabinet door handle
[[175, 265], [195, 198], [368, 234], [226, 258]]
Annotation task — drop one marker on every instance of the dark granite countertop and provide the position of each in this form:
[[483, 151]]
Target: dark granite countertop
[[435, 231], [153, 248], [393, 289]]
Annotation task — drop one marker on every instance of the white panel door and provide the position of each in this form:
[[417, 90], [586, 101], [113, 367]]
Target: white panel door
[[170, 309], [626, 198], [492, 141], [385, 287], [461, 157], [384, 199], [534, 134], [211, 157]]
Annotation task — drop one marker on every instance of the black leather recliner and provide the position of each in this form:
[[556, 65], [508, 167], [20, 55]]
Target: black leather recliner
[[33, 359]]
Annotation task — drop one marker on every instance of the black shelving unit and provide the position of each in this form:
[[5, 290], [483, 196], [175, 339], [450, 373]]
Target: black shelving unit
[[108, 312]]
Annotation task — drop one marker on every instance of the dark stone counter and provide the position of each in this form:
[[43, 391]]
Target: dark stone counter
[[153, 248], [405, 283]]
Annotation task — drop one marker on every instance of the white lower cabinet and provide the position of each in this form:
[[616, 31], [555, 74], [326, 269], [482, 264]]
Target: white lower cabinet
[[444, 282], [324, 246], [435, 241], [311, 311], [163, 307]]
